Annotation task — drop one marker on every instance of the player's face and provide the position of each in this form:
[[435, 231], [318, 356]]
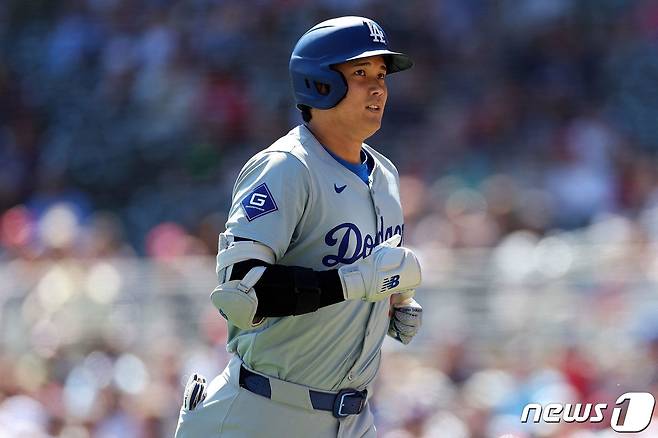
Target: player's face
[[363, 107]]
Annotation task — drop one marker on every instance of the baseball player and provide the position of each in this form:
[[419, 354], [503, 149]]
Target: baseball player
[[311, 272]]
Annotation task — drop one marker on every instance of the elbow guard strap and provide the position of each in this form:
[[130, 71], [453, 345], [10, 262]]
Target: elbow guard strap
[[232, 251], [292, 290]]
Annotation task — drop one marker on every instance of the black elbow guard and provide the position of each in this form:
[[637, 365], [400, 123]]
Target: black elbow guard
[[291, 290]]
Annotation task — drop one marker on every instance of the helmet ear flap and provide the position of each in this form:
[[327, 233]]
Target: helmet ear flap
[[323, 89], [317, 87]]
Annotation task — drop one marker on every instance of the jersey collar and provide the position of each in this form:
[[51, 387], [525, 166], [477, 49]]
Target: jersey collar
[[309, 140]]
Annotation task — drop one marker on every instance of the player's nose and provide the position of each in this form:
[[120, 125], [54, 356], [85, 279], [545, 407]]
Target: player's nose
[[377, 90]]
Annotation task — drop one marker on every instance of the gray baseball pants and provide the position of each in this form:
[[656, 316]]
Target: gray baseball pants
[[234, 412]]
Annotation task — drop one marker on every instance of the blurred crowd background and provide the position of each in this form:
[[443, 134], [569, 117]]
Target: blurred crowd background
[[526, 139]]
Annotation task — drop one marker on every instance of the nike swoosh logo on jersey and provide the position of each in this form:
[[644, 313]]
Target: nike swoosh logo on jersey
[[339, 189]]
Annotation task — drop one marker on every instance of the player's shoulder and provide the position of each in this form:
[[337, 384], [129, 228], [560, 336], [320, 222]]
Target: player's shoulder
[[286, 151], [291, 143], [381, 159]]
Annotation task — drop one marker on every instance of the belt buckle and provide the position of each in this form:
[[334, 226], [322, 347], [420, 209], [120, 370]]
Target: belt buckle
[[340, 402]]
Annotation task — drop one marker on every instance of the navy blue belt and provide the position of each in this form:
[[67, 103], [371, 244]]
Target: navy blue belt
[[346, 402]]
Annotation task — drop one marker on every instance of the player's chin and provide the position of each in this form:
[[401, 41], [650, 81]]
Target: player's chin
[[373, 123], [374, 118]]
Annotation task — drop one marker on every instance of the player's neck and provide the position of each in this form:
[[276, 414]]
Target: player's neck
[[346, 147]]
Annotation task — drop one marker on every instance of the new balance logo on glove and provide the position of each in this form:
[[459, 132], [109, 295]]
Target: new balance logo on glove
[[390, 269], [390, 283]]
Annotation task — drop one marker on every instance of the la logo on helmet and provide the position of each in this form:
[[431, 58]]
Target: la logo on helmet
[[376, 32]]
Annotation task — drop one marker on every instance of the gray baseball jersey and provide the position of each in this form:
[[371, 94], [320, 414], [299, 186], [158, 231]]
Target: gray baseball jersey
[[313, 212]]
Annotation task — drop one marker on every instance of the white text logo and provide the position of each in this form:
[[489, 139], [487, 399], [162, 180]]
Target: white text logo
[[632, 412], [376, 32], [258, 199]]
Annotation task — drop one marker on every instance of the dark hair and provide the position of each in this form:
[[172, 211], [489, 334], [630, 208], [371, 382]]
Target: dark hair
[[306, 112]]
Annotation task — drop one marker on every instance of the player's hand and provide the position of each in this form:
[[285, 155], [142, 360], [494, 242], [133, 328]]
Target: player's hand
[[400, 297], [406, 320], [389, 270]]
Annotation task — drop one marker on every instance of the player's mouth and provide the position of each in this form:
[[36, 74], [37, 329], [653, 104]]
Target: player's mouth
[[374, 108]]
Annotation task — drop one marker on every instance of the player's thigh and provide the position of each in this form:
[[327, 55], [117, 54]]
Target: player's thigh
[[361, 426], [206, 419], [253, 415]]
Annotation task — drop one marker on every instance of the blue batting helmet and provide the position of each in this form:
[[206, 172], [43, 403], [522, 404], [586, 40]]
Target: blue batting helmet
[[332, 42]]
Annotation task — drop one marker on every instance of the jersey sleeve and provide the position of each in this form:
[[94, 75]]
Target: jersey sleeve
[[269, 199]]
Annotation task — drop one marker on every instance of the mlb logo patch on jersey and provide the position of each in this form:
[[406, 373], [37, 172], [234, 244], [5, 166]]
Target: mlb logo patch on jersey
[[258, 202]]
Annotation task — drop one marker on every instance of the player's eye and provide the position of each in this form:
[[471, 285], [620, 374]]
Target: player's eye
[[360, 72], [381, 75]]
